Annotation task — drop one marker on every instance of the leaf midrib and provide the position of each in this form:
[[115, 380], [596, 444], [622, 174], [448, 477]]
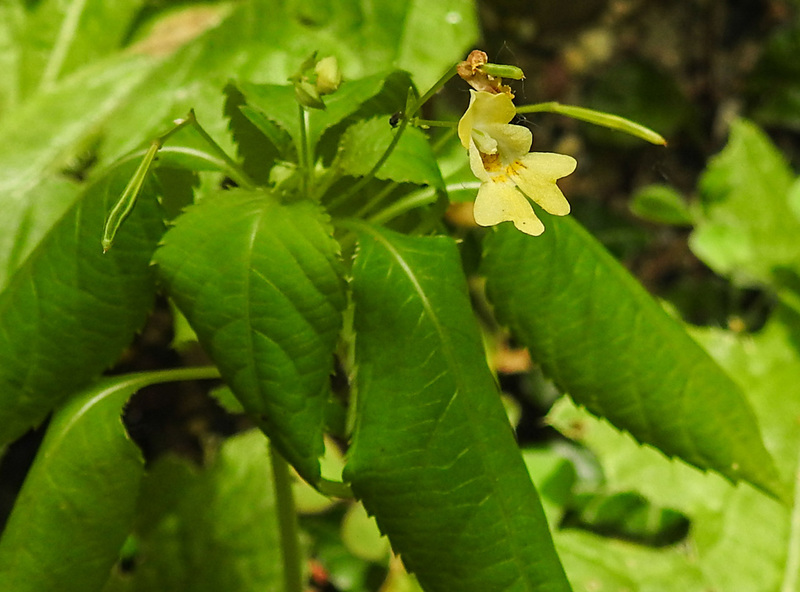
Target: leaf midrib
[[452, 362]]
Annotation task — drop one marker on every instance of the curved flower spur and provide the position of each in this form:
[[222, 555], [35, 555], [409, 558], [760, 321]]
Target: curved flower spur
[[500, 157]]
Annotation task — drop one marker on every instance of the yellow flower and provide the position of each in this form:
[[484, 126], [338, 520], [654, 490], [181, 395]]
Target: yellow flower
[[499, 155]]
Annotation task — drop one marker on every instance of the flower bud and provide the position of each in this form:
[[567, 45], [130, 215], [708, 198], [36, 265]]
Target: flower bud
[[307, 95], [329, 76]]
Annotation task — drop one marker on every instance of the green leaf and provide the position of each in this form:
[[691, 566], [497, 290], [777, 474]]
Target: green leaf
[[554, 477], [344, 102], [68, 311], [593, 563], [260, 282], [594, 560], [748, 230], [608, 344], [272, 104], [361, 536], [433, 36], [412, 160], [56, 38], [12, 14], [39, 138], [626, 515], [661, 204], [741, 538], [433, 457], [208, 529], [278, 104], [257, 144], [77, 504]]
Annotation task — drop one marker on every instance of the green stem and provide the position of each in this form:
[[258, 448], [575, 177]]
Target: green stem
[[334, 489], [143, 379], [233, 169], [287, 523], [66, 35], [601, 118], [417, 199], [376, 199], [425, 123], [304, 153]]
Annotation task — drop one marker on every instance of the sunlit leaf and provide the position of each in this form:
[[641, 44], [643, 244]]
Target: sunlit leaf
[[433, 456], [741, 537], [207, 529], [68, 310], [278, 104], [266, 40], [607, 343], [452, 23], [77, 504], [56, 38], [661, 204], [608, 564], [260, 283], [412, 160], [39, 138], [748, 229]]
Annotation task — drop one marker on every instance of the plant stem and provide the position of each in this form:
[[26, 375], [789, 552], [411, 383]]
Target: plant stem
[[425, 123], [601, 118], [233, 169], [335, 489], [416, 199], [376, 199], [140, 380], [304, 153], [287, 523], [65, 37]]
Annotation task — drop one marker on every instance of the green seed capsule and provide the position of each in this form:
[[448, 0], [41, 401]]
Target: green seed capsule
[[502, 71]]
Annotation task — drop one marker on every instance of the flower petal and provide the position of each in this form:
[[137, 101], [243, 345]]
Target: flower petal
[[485, 109], [536, 178], [467, 122], [484, 141], [491, 108], [513, 141], [549, 164], [476, 163], [501, 202]]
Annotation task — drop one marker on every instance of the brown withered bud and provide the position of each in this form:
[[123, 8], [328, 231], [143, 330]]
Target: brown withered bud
[[470, 71]]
